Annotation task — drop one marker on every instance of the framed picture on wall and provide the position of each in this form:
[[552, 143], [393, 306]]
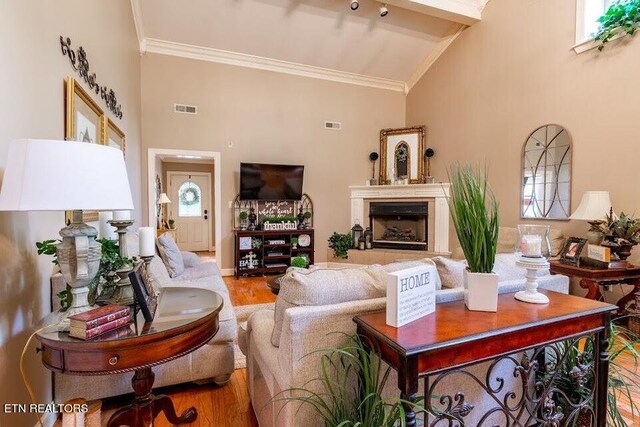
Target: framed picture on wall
[[83, 121], [114, 137], [401, 155]]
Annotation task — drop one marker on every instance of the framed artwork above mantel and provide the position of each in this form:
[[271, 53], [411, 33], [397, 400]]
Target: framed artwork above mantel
[[401, 155]]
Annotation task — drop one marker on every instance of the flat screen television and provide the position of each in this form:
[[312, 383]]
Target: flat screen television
[[270, 182]]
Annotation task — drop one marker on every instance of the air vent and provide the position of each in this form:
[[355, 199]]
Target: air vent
[[332, 125], [185, 109]]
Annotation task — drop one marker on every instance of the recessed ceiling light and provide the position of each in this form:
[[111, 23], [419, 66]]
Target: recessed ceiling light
[[354, 4], [384, 11]]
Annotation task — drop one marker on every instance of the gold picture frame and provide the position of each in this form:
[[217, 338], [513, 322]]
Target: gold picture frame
[[402, 154], [84, 121], [113, 136]]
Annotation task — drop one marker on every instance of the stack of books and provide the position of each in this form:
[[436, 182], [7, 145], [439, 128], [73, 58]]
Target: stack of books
[[96, 322]]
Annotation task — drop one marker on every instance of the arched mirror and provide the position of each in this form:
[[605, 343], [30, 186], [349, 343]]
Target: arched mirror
[[546, 174]]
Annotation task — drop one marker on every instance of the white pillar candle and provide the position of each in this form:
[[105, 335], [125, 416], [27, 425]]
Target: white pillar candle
[[106, 230], [121, 215], [531, 246], [147, 241]]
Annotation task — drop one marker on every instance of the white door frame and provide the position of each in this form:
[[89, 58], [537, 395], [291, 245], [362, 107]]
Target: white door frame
[[152, 153], [170, 174]]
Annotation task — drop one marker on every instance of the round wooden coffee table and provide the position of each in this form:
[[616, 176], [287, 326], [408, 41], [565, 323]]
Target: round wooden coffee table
[[186, 319]]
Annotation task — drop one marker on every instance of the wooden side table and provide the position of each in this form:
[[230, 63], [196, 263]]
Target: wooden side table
[[185, 320], [454, 338], [592, 279]]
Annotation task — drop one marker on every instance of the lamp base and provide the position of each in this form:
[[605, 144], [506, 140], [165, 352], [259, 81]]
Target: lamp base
[[531, 294], [79, 305]]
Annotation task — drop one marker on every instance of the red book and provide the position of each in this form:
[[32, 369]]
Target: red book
[[86, 334], [98, 316]]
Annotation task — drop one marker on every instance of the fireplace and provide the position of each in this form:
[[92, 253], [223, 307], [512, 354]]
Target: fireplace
[[399, 225]]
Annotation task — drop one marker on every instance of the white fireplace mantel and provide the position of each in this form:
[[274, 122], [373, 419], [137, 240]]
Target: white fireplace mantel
[[434, 193]]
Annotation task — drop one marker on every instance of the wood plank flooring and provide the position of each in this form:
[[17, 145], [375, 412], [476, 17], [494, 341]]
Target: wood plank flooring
[[230, 405]]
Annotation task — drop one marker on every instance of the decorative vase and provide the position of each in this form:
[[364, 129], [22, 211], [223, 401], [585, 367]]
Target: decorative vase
[[252, 219], [594, 237], [481, 291]]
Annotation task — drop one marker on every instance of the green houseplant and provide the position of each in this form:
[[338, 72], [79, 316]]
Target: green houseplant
[[299, 261], [243, 219], [172, 224], [348, 390], [622, 18], [621, 233], [474, 213], [340, 243]]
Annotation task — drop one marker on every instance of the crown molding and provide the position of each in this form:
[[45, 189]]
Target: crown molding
[[137, 21], [435, 53], [164, 47]]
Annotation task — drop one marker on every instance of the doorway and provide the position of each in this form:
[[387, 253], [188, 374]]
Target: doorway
[[196, 209], [191, 209]]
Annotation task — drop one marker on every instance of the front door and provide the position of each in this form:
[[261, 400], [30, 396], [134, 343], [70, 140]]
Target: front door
[[190, 194]]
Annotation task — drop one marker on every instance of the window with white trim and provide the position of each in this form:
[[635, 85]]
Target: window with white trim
[[587, 14]]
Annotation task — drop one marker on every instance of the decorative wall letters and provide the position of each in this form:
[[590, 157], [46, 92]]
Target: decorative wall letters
[[80, 63]]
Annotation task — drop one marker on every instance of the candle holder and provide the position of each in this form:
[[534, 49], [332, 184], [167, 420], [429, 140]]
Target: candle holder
[[147, 260], [123, 293], [533, 251]]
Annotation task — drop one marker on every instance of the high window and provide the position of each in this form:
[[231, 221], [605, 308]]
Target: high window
[[587, 14]]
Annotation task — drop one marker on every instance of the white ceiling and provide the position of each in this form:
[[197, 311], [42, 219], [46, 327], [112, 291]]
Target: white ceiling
[[317, 33]]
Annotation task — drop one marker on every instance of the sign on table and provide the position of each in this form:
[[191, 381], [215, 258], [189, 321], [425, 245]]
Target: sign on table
[[411, 294]]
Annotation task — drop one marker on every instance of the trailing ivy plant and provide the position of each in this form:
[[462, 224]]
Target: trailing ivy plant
[[623, 16]]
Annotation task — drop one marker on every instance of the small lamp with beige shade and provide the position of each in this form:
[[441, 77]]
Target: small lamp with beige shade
[[47, 175], [163, 200], [593, 208]]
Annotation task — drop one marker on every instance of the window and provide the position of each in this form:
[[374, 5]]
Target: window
[[587, 14], [189, 199]]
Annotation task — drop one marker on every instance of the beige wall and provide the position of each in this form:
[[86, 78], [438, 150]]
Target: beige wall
[[270, 118], [193, 167], [515, 71], [33, 70]]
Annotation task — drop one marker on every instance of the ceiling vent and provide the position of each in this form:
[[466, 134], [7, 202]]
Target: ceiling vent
[[332, 125], [185, 109]]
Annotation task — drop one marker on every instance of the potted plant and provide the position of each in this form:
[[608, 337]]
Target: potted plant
[[340, 243], [172, 224], [307, 217], [621, 234], [243, 220], [622, 18], [349, 389], [294, 242], [474, 212], [299, 261]]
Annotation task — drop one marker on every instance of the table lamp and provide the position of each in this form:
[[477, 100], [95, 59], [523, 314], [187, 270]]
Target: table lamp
[[45, 175], [163, 200], [594, 207]]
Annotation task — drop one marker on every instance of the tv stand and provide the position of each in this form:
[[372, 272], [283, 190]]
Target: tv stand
[[271, 251]]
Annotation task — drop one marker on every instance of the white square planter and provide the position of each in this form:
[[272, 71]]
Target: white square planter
[[481, 291]]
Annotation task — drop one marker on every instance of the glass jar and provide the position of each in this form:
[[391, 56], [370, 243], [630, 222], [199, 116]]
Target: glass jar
[[533, 241]]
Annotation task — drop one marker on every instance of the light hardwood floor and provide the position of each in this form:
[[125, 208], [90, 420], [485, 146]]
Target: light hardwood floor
[[229, 405]]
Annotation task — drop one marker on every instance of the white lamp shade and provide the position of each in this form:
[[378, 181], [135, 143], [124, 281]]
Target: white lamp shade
[[163, 199], [595, 205], [45, 175]]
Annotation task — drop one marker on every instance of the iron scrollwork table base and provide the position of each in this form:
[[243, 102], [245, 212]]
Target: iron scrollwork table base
[[521, 335]]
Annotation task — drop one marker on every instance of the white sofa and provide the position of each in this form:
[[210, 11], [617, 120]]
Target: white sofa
[[309, 328], [213, 362]]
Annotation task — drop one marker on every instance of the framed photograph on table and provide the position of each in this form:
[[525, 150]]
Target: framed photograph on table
[[83, 121], [572, 250], [144, 291], [402, 155]]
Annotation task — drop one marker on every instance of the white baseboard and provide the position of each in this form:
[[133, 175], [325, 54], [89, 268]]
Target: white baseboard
[[227, 271]]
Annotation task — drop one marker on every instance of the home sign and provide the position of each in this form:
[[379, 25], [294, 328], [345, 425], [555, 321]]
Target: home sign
[[411, 294]]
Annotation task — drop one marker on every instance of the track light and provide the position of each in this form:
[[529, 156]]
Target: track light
[[383, 10], [354, 4]]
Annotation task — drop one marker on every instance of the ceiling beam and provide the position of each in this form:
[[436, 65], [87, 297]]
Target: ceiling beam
[[466, 12]]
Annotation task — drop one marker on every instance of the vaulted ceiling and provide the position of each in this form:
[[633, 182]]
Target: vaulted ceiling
[[323, 37]]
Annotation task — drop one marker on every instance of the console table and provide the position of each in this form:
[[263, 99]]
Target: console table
[[592, 279], [186, 319], [454, 338]]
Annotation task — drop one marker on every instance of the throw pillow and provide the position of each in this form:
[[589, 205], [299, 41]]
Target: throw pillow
[[451, 272], [171, 255], [325, 287]]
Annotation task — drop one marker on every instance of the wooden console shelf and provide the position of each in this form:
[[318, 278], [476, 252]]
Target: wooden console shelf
[[278, 255]]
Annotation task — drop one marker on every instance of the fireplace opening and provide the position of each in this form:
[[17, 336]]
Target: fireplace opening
[[399, 225]]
